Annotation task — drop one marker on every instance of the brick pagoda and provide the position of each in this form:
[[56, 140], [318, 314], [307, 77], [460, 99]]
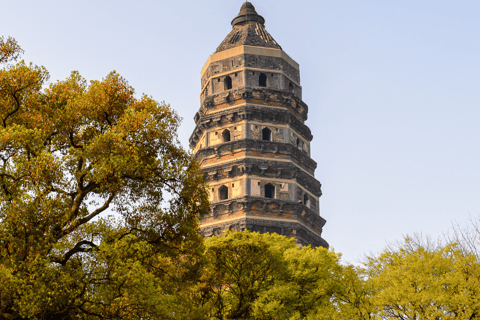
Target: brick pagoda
[[251, 139]]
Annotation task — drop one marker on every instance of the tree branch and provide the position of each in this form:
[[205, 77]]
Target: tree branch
[[89, 217], [13, 112], [80, 196], [78, 248], [70, 137], [5, 175]]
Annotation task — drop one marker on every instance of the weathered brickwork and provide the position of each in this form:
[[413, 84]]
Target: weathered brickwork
[[273, 63], [251, 139], [251, 130]]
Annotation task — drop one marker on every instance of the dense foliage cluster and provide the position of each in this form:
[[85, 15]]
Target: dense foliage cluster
[[70, 151], [265, 276], [73, 152]]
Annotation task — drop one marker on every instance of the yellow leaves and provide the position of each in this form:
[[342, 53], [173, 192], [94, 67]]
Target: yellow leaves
[[282, 280], [9, 49], [72, 151], [424, 283]]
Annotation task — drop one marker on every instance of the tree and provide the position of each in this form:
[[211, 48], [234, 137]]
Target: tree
[[467, 237], [418, 281], [69, 152], [249, 275], [355, 298]]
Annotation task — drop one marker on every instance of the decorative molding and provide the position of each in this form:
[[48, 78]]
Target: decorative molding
[[264, 169], [264, 147], [294, 219], [280, 97], [276, 209], [252, 113]]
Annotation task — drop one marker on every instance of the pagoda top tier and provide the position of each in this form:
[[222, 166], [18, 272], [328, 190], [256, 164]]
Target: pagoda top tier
[[248, 29]]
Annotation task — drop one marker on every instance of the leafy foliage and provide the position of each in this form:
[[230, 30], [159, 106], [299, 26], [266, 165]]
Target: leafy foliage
[[266, 276], [69, 152], [441, 282], [72, 151]]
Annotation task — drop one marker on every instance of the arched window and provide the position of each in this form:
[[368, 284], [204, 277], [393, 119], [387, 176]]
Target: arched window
[[262, 80], [266, 134], [299, 144], [226, 135], [228, 83], [223, 193], [306, 200], [269, 191], [291, 88]]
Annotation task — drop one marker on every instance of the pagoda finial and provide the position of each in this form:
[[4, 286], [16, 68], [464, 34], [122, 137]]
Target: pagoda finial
[[247, 13]]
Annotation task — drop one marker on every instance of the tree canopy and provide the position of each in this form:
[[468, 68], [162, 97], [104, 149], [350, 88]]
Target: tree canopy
[[266, 276], [99, 212], [72, 152], [421, 281]]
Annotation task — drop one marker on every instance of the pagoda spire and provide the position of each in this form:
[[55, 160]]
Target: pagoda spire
[[247, 13]]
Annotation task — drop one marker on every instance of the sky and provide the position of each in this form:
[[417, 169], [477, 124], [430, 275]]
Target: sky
[[393, 89]]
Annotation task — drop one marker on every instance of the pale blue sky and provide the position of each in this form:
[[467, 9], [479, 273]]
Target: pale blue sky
[[393, 89]]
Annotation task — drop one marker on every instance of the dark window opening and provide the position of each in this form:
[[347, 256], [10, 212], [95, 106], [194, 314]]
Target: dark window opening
[[266, 134], [306, 200], [291, 87], [223, 193], [299, 144], [228, 83], [262, 80], [269, 191], [226, 135]]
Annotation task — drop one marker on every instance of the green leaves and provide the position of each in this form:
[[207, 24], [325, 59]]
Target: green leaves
[[266, 276], [74, 151], [426, 283], [70, 153]]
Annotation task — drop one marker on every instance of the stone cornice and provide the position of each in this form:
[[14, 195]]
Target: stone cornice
[[301, 233], [245, 49], [263, 147], [248, 112], [256, 95], [262, 168], [279, 208], [240, 69]]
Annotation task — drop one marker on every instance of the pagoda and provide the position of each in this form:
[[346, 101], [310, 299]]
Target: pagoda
[[251, 139]]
